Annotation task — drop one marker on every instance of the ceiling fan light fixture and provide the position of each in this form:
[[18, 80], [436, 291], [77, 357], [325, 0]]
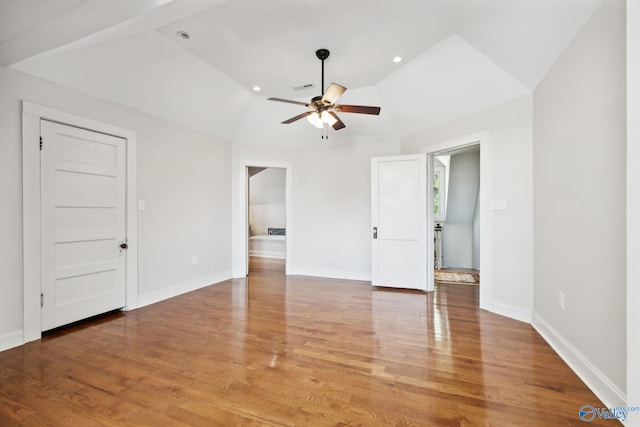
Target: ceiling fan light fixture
[[320, 119], [315, 120], [327, 118]]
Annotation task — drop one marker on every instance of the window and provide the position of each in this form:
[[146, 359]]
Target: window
[[439, 193]]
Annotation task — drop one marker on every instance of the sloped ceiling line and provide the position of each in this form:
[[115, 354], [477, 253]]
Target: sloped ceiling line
[[460, 56]]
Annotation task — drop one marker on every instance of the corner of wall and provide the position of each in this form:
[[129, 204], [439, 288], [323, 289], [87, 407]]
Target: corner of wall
[[509, 311], [598, 382], [181, 288], [10, 340]]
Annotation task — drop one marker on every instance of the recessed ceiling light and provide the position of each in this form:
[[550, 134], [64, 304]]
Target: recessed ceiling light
[[397, 59], [256, 88], [183, 35]]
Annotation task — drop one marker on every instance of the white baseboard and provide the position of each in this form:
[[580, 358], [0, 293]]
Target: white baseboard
[[181, 288], [267, 254], [507, 311], [601, 386], [10, 340], [344, 275]]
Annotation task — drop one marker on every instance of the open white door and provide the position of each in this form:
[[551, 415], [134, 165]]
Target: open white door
[[399, 221], [83, 204]]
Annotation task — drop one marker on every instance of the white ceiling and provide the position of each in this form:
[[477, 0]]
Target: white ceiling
[[459, 56]]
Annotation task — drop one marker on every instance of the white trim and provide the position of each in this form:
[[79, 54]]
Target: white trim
[[601, 386], [486, 246], [633, 207], [31, 116], [181, 288], [32, 327], [243, 177], [357, 276], [267, 254], [14, 339], [508, 311]]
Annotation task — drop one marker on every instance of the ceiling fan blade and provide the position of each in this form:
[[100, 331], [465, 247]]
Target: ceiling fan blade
[[298, 117], [338, 124], [288, 101], [332, 94], [360, 109]]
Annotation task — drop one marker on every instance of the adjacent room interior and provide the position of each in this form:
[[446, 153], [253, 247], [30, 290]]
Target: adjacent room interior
[[267, 214], [456, 201]]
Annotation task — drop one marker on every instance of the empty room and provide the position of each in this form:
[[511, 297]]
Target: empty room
[[319, 213]]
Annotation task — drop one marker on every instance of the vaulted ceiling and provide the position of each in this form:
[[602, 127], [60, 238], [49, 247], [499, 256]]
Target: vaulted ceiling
[[458, 56]]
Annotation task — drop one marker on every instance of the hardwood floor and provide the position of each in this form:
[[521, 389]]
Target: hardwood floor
[[282, 351]]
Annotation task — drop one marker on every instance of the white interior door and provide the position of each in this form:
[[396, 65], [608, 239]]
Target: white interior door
[[83, 223], [399, 221]]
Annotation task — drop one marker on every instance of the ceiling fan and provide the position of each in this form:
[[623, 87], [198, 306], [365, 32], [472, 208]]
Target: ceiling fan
[[324, 107]]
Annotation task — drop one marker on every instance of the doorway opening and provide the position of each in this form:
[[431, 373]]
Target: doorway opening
[[456, 216], [270, 202], [266, 216], [481, 230]]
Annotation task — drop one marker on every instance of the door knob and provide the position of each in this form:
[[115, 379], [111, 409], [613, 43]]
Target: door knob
[[123, 245]]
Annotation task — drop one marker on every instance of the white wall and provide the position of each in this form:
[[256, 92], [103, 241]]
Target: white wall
[[462, 197], [475, 230], [510, 128], [183, 176], [267, 200], [457, 245], [579, 201], [331, 205], [633, 207], [463, 185]]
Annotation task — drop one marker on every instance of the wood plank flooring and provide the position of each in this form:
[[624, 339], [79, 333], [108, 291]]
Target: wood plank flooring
[[272, 350]]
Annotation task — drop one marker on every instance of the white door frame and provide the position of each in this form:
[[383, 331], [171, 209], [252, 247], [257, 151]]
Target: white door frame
[[481, 138], [31, 213], [243, 211]]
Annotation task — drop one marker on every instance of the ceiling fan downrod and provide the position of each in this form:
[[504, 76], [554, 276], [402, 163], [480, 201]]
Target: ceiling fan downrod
[[322, 54]]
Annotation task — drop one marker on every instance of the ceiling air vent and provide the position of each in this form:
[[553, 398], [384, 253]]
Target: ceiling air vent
[[304, 87]]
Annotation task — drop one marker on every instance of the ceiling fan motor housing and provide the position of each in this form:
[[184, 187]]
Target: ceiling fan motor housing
[[322, 54]]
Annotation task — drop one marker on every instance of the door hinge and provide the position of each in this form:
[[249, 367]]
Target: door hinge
[[41, 300], [40, 143]]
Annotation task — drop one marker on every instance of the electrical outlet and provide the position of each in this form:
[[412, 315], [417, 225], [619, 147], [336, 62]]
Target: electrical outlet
[[498, 205], [195, 259], [561, 299]]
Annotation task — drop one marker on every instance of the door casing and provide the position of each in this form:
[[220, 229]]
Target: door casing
[[243, 212], [31, 209], [486, 256]]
